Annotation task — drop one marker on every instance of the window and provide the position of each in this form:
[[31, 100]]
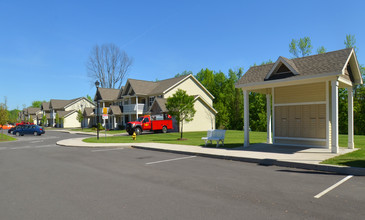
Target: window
[[152, 98], [146, 120]]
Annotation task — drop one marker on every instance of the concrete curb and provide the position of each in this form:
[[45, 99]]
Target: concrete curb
[[357, 171]]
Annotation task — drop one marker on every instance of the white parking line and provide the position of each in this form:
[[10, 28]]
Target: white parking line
[[35, 142], [332, 187], [161, 161], [100, 150]]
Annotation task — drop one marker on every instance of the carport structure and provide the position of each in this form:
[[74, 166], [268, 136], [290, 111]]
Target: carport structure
[[303, 96]]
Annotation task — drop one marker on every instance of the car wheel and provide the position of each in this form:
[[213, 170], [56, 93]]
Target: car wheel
[[17, 134], [164, 129], [35, 133], [138, 131]]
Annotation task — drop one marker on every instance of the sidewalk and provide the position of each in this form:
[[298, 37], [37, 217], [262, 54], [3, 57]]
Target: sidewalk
[[263, 154]]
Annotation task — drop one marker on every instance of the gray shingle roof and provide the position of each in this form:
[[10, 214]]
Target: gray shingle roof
[[162, 104], [45, 106], [60, 104], [107, 94], [142, 87], [88, 111], [331, 62], [33, 111], [64, 113], [115, 110]]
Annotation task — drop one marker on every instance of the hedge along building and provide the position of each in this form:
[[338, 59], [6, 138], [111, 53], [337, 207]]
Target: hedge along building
[[303, 96]]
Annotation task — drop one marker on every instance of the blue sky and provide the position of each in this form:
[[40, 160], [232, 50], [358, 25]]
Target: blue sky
[[44, 45]]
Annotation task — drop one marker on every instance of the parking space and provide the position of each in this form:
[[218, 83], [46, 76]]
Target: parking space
[[94, 183]]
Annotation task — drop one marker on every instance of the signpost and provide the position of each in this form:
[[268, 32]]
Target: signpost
[[105, 116]]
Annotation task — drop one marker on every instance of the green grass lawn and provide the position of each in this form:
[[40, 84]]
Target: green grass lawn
[[235, 139], [353, 159], [4, 137], [101, 131]]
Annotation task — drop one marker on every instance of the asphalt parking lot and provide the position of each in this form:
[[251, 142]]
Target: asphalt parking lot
[[41, 180]]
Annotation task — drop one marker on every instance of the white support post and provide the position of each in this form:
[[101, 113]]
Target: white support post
[[334, 139], [350, 93], [246, 118], [137, 107], [268, 113]]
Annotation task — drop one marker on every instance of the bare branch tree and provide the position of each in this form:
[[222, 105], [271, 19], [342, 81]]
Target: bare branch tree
[[109, 65]]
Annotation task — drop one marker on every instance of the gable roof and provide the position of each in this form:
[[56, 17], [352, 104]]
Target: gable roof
[[88, 111], [65, 114], [328, 63], [161, 103], [142, 87], [106, 94], [33, 111], [45, 106], [60, 103], [115, 110]]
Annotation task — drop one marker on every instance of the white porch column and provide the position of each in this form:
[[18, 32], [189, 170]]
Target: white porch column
[[350, 93], [268, 113], [334, 137], [246, 118], [137, 107]]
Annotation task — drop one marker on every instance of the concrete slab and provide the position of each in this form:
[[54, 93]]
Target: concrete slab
[[263, 154]]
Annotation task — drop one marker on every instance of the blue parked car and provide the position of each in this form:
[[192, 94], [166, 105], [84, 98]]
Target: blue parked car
[[28, 129]]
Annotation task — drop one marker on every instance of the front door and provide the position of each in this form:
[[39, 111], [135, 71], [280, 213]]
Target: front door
[[146, 124]]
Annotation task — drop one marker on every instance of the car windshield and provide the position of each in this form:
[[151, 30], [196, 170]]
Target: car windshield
[[140, 119]]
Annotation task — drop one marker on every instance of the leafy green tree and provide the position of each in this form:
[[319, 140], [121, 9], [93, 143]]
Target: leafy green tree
[[3, 115], [44, 120], [181, 106], [321, 50], [303, 47], [37, 104], [80, 118], [31, 119], [89, 98], [350, 42], [184, 73], [13, 115]]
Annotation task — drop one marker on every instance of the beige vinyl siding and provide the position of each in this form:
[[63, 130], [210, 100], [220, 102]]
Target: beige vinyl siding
[[71, 121], [77, 105], [315, 92], [301, 142], [204, 118], [191, 88], [306, 121]]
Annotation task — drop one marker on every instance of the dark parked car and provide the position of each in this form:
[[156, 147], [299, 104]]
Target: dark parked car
[[10, 131], [28, 129]]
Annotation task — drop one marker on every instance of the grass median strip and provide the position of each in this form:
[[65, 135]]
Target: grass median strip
[[4, 137]]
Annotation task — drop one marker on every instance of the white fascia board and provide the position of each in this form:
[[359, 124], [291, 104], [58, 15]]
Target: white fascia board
[[70, 113], [201, 98], [188, 76], [281, 60], [358, 72], [289, 81]]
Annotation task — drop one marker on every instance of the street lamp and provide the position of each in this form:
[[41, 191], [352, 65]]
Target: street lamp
[[97, 110]]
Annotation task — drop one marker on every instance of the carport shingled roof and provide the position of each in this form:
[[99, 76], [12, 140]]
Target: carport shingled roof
[[142, 87], [331, 62]]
